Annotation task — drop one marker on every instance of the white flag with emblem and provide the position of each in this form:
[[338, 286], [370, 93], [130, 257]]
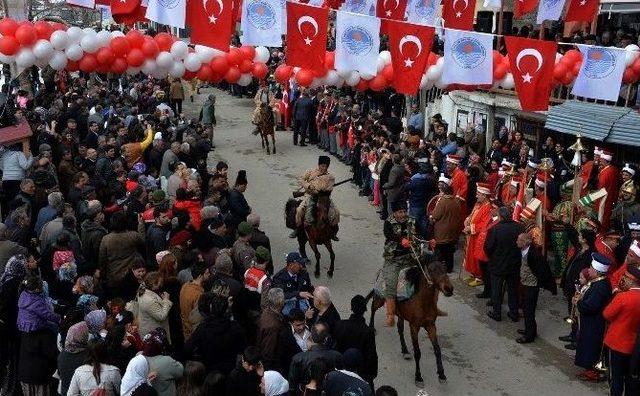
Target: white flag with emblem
[[468, 56], [366, 7], [600, 75], [83, 3], [357, 42], [422, 12], [167, 12], [549, 10], [261, 23]]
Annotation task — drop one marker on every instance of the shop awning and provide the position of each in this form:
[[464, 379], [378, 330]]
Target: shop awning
[[626, 130], [619, 6]]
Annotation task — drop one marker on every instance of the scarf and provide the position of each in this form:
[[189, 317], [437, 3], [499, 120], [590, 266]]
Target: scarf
[[96, 320], [77, 338], [16, 268], [274, 384], [135, 375]]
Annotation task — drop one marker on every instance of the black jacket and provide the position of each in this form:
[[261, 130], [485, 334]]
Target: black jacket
[[541, 270], [287, 347], [299, 369], [38, 357], [500, 246], [241, 382], [330, 317], [355, 333], [91, 235], [289, 286], [216, 342], [239, 209], [302, 109]]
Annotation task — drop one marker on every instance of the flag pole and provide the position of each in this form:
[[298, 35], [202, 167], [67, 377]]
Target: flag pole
[[500, 25], [577, 147]]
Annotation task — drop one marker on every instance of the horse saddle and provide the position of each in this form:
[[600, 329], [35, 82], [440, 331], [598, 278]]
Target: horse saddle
[[405, 288]]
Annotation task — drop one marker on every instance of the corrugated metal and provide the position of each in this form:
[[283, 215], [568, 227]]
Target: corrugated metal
[[594, 121], [626, 130]]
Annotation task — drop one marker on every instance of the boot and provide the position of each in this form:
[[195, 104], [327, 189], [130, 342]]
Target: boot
[[391, 312]]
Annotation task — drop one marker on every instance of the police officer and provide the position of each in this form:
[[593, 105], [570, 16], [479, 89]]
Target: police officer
[[295, 283]]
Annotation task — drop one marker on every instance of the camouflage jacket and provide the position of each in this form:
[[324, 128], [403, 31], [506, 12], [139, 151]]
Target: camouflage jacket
[[394, 232]]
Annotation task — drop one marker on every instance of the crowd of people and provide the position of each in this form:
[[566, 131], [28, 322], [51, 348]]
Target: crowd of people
[[130, 267]]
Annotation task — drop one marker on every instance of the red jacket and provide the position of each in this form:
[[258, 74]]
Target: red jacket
[[193, 208], [623, 315]]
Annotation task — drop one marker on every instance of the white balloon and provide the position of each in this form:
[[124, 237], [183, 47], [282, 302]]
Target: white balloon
[[262, 55], [165, 60], [25, 58], [192, 62], [205, 53], [179, 50], [507, 81], [89, 43], [58, 60], [5, 58], [558, 58], [366, 76], [104, 37], [74, 52], [439, 83], [88, 30], [344, 74], [380, 64], [132, 71], [424, 81], [43, 49], [59, 40], [245, 80], [386, 56], [149, 66], [75, 34], [353, 79], [431, 73], [116, 33], [332, 77], [631, 54], [177, 70]]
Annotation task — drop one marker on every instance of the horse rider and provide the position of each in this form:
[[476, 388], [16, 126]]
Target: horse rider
[[315, 182], [399, 232]]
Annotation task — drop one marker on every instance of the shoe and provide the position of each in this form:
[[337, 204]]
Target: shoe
[[520, 331], [294, 234], [513, 317], [302, 145], [391, 312], [295, 144], [523, 340], [567, 338], [335, 238], [494, 316], [483, 295], [476, 282], [571, 347], [589, 375]]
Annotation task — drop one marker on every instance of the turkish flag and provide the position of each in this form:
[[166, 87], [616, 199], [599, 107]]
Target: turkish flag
[[532, 63], [128, 12], [522, 7], [306, 36], [211, 22], [410, 46], [391, 9], [458, 14], [582, 10]]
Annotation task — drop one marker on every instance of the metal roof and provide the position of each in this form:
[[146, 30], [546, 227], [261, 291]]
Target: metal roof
[[626, 130], [593, 121]]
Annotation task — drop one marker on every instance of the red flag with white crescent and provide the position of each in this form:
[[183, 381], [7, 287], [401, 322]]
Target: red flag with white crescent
[[532, 63], [211, 22], [521, 7], [458, 14], [128, 12], [306, 36], [582, 10], [410, 46], [391, 9]]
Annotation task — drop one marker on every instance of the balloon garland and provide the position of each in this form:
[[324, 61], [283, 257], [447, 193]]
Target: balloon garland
[[43, 43]]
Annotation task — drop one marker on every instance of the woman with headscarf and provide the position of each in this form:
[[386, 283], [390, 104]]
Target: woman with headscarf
[[73, 355], [14, 272], [136, 375], [168, 369], [274, 384], [95, 322]]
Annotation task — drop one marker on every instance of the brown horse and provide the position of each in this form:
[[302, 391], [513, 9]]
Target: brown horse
[[318, 233], [265, 126], [421, 311]]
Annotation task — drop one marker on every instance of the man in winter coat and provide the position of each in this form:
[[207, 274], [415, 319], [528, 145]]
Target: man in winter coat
[[119, 249], [270, 325], [394, 185], [91, 233]]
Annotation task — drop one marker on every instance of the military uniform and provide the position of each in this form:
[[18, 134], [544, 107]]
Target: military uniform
[[313, 182], [396, 256]]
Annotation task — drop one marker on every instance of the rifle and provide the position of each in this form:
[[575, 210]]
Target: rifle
[[299, 193]]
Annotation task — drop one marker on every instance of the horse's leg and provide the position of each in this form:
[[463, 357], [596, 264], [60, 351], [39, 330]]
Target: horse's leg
[[403, 343], [375, 304], [302, 242], [262, 139], [416, 354], [273, 140], [266, 142], [433, 337], [316, 252], [332, 256]]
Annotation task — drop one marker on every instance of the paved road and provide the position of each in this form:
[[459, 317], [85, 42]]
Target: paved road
[[480, 356]]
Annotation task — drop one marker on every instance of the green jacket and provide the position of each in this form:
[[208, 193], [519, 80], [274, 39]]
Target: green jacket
[[394, 232]]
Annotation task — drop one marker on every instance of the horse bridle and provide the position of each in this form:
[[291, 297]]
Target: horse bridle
[[417, 258]]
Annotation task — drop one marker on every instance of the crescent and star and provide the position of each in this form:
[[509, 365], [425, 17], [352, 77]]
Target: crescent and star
[[312, 21], [389, 12], [409, 38], [459, 13], [213, 18], [529, 52]]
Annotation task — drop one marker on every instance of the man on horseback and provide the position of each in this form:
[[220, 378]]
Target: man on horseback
[[316, 182], [399, 231]]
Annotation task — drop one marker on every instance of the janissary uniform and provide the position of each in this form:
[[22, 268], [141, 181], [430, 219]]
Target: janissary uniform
[[459, 184], [478, 221], [608, 179]]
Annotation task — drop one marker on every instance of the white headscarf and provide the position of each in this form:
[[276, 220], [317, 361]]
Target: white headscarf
[[135, 375], [274, 384]]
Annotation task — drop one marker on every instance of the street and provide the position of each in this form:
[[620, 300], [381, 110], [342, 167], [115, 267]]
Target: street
[[480, 356]]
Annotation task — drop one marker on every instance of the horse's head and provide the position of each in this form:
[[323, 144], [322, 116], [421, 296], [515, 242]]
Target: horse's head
[[438, 273]]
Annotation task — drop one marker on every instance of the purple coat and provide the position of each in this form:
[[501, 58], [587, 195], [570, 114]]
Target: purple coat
[[34, 311]]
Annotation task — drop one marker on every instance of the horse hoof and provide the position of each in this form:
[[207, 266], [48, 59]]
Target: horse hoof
[[316, 274], [442, 379], [406, 356], [420, 383], [330, 274]]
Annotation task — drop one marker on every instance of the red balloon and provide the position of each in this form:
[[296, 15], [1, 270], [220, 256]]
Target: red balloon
[[378, 83], [150, 48], [164, 40], [105, 56], [567, 78], [245, 66], [135, 38], [135, 57], [283, 73], [329, 60], [119, 65], [636, 66], [499, 72], [120, 46], [88, 63], [8, 27], [43, 30], [506, 63], [9, 45], [219, 64], [260, 70], [432, 59], [103, 69], [234, 57], [232, 75], [188, 75], [248, 52], [72, 66], [574, 55], [205, 73], [362, 85], [576, 67], [497, 57], [26, 34], [58, 26], [304, 77], [559, 71], [629, 76], [388, 72]]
